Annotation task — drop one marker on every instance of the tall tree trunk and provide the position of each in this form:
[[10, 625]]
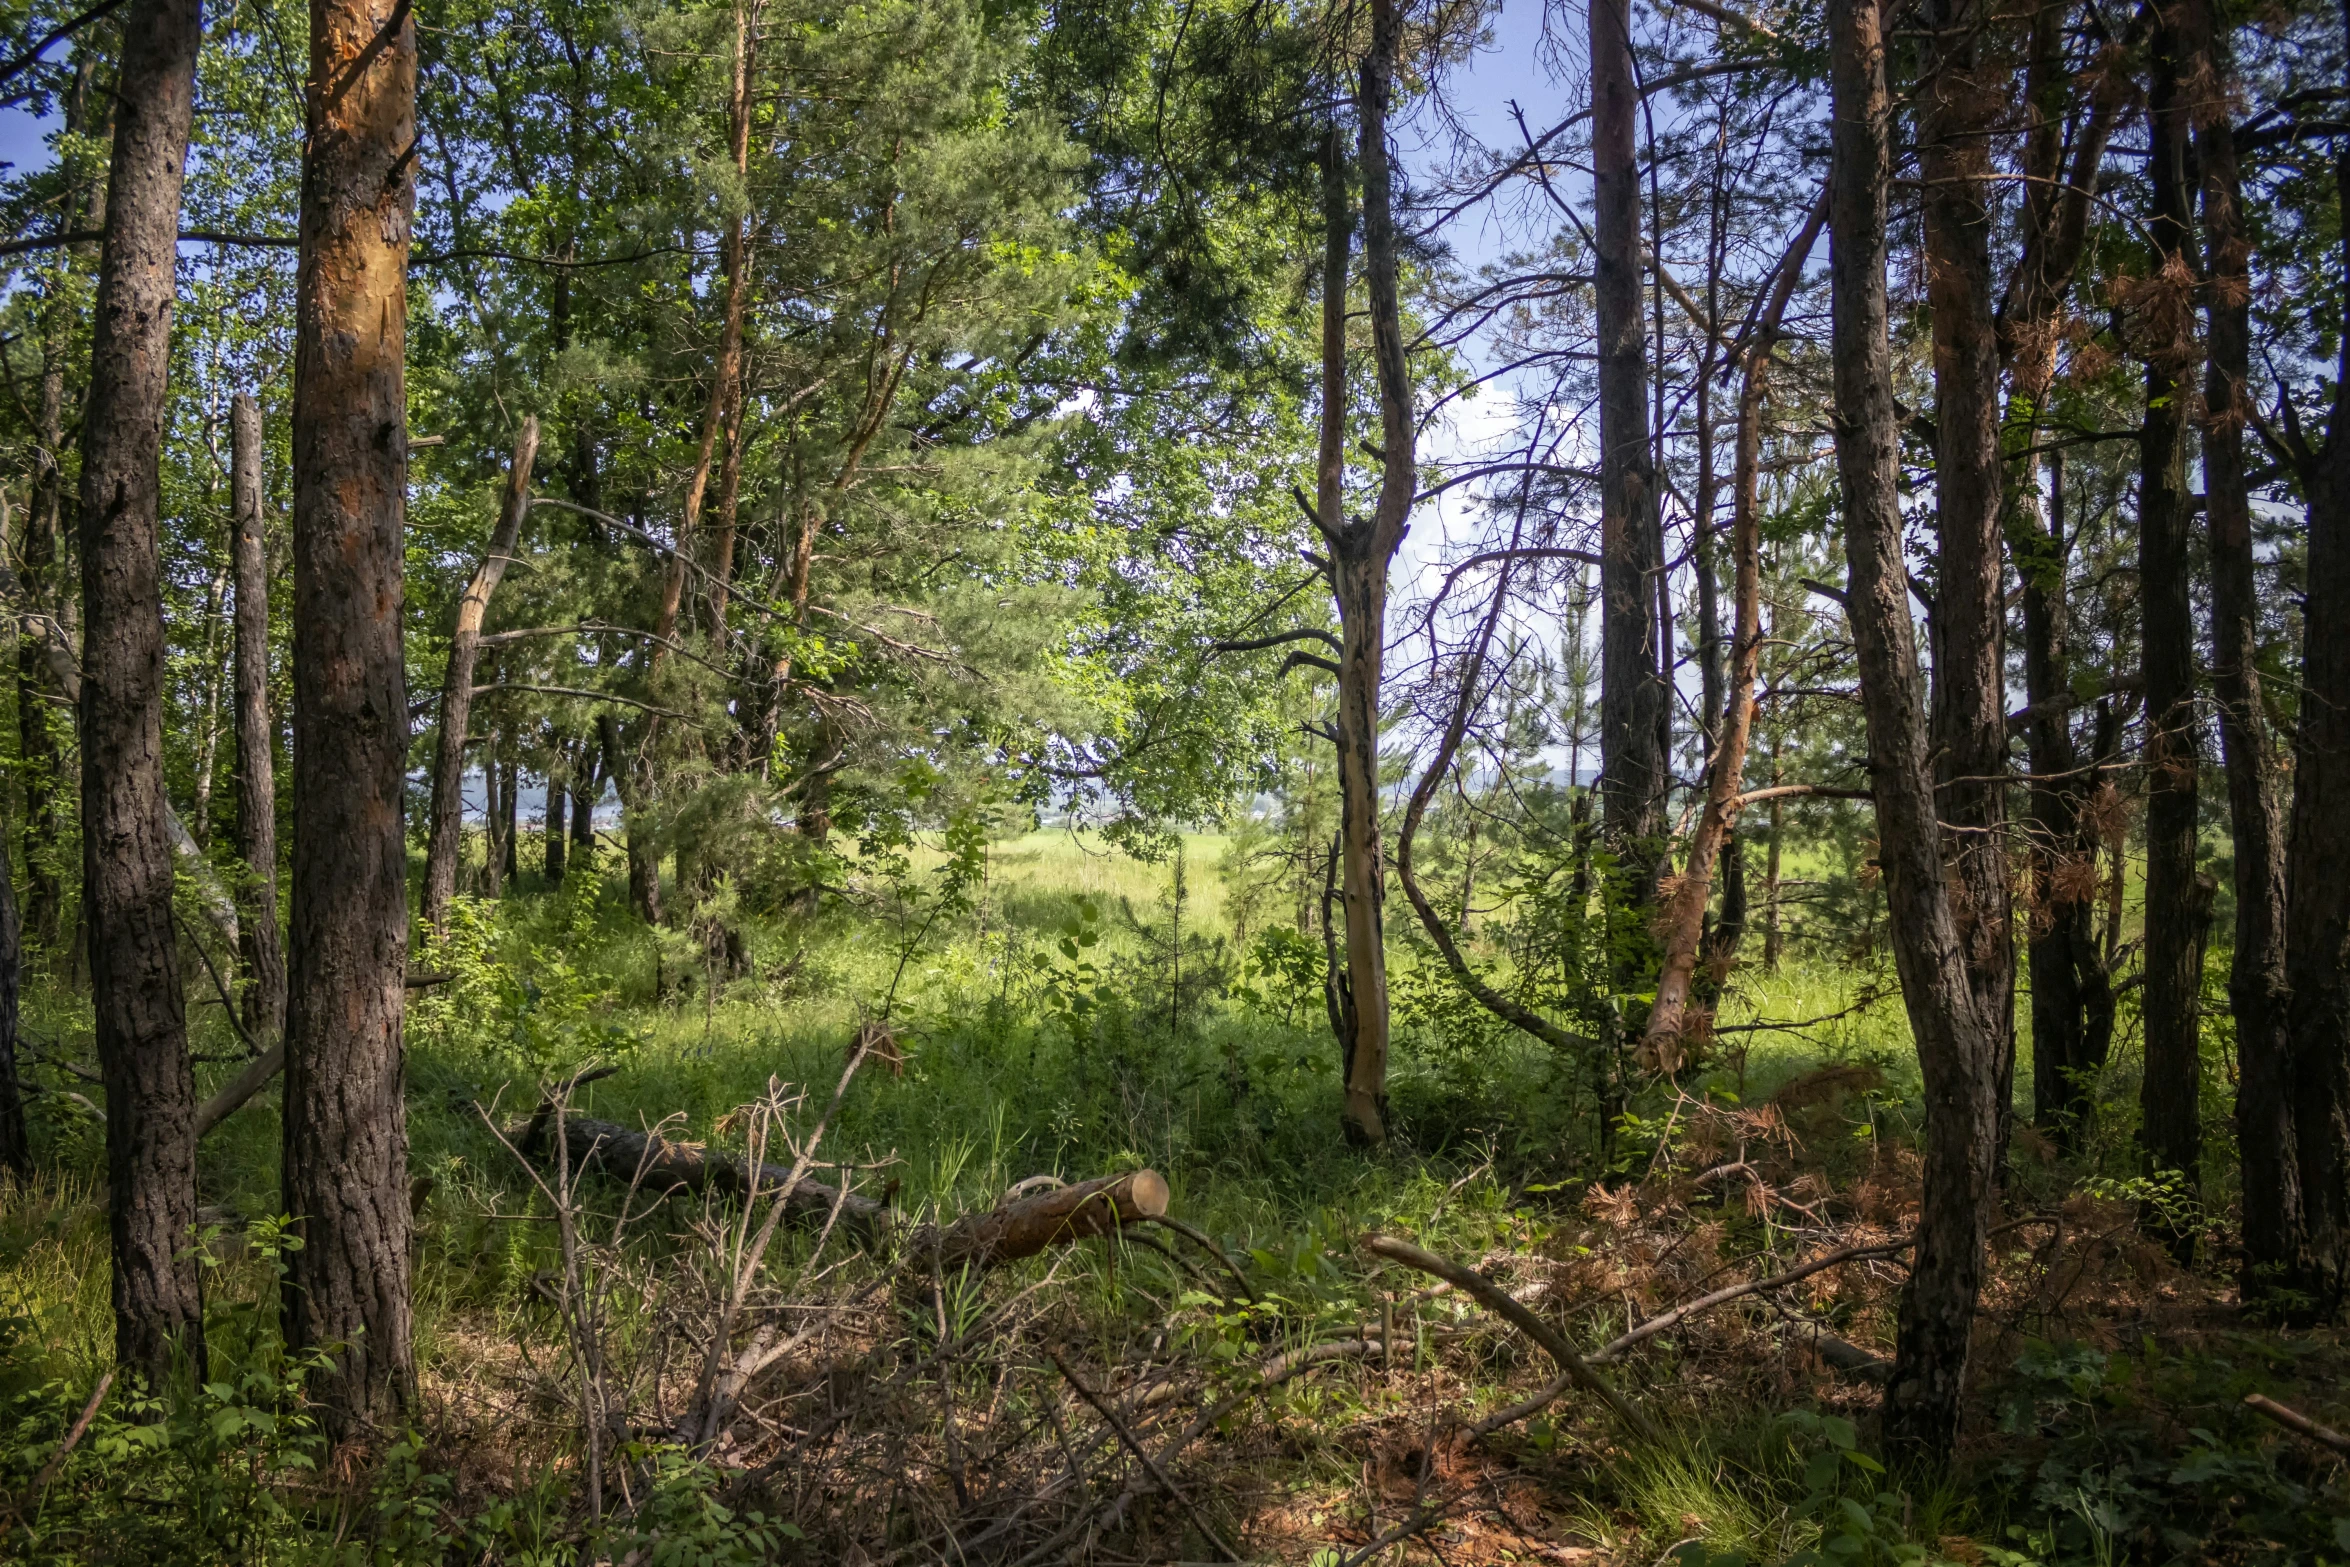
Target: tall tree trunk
[[2317, 899], [126, 840], [448, 772], [346, 1130], [1361, 553], [2256, 974], [208, 741], [1635, 715], [264, 953], [1684, 917], [40, 695], [2169, 1118], [1961, 101], [1957, 1049], [2068, 973]]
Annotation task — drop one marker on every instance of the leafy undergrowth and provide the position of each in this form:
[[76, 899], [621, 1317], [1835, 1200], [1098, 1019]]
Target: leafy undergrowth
[[1297, 1399]]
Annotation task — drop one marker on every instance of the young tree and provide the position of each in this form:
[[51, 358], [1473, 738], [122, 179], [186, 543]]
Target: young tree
[[1956, 1047], [448, 774], [127, 856], [264, 955], [346, 1140]]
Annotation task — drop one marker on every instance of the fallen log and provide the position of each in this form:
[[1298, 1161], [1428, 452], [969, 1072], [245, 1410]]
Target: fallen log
[[663, 1164], [1027, 1225], [2294, 1420]]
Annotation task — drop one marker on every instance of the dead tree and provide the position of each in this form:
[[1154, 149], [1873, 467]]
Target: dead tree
[[127, 849]]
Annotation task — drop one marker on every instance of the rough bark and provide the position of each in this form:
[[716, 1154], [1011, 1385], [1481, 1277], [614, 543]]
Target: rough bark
[[127, 856], [2256, 973], [1634, 715], [1960, 102], [264, 951], [2317, 900], [346, 1138], [2169, 1118], [448, 773], [1956, 1048], [662, 1163], [1362, 552]]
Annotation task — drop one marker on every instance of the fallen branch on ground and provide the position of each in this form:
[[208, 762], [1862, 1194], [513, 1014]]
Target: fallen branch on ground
[[1506, 1306], [2295, 1421]]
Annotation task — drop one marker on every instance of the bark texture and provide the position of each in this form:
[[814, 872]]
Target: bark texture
[[2169, 1114], [2256, 974], [264, 951], [1634, 715], [346, 1137], [448, 772], [2317, 904], [1361, 553], [127, 855], [1956, 1049], [1960, 102]]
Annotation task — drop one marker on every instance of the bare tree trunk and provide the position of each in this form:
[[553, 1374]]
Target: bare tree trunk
[[1635, 715], [264, 953], [2256, 975], [2170, 1124], [1361, 553], [1956, 1048], [448, 773], [208, 743], [2317, 907], [126, 840], [1684, 918], [1961, 100], [346, 1134], [40, 694], [493, 818]]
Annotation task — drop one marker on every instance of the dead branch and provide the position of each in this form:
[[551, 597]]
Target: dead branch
[[2295, 1421], [1506, 1306]]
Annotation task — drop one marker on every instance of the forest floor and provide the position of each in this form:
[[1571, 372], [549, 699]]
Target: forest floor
[[1298, 1398]]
